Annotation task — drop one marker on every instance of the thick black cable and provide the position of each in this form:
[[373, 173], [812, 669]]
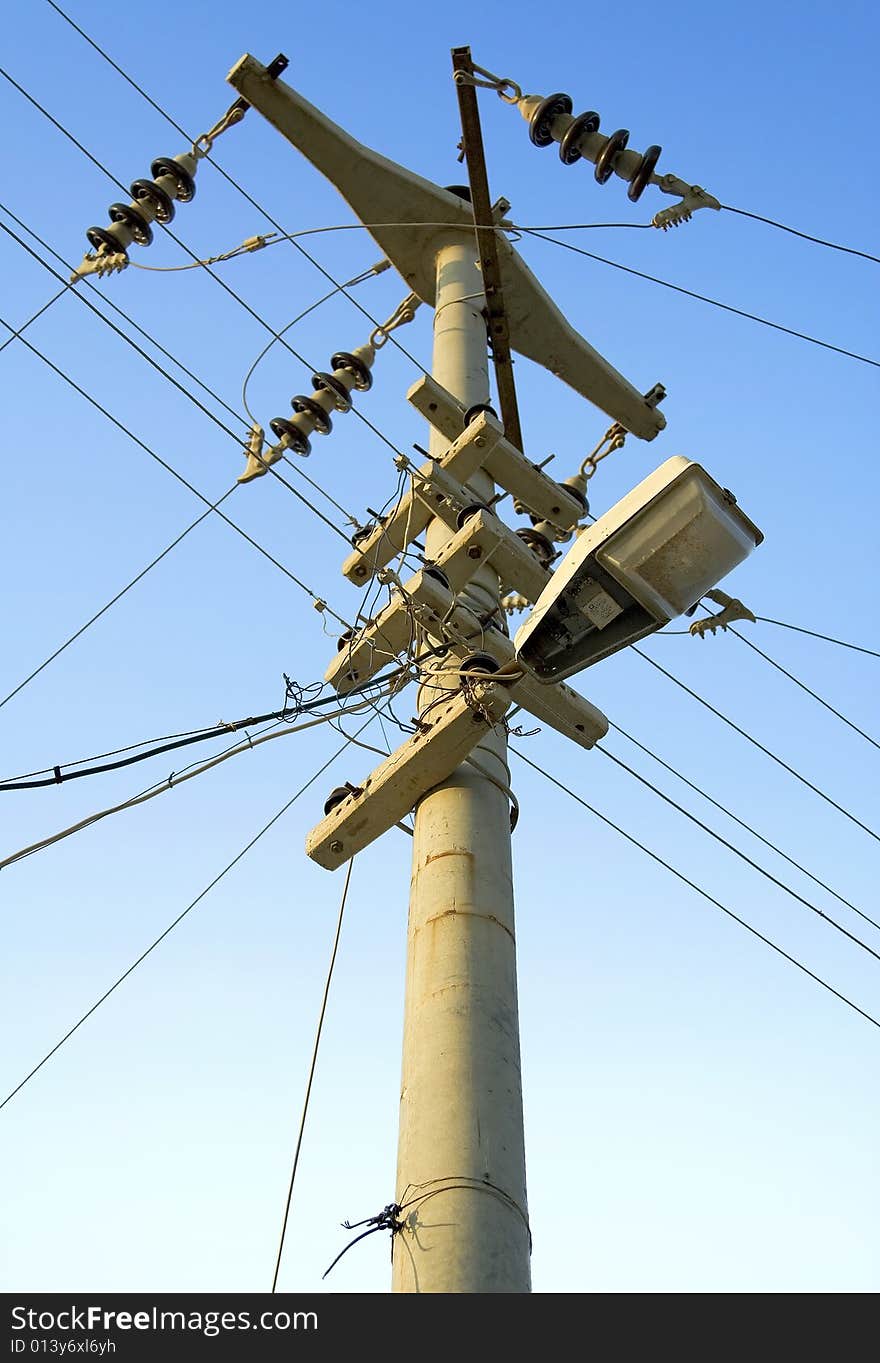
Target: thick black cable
[[702, 298], [760, 746], [655, 856], [841, 643], [743, 856], [820, 241], [803, 686], [168, 467], [748, 827], [176, 741], [312, 1065], [192, 255], [170, 377], [171, 926]]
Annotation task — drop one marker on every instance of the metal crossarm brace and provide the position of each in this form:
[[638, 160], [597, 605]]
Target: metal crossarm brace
[[397, 784], [424, 601], [381, 192], [411, 515], [507, 465]]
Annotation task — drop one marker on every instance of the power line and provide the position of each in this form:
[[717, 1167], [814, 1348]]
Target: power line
[[820, 241], [731, 847], [760, 746], [112, 602], [179, 476], [791, 677], [171, 926], [313, 1063], [170, 377], [748, 827], [108, 302], [15, 334], [702, 298], [234, 183], [841, 643], [692, 885], [364, 275], [172, 742], [238, 298], [176, 779]]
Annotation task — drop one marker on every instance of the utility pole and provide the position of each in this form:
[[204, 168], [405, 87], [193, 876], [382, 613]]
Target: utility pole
[[461, 1151], [462, 1223]]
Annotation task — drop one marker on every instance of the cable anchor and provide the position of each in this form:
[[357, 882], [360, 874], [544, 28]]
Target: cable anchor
[[732, 610]]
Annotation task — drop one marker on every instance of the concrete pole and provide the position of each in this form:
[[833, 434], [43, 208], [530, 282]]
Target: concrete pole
[[461, 1156]]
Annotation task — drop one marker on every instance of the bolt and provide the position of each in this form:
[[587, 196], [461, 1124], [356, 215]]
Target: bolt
[[475, 551], [360, 571], [336, 845], [480, 441]]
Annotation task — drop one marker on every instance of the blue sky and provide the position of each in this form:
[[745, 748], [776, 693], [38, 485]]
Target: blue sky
[[699, 1115]]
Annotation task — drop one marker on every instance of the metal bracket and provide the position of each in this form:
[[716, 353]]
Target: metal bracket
[[732, 610], [398, 783], [411, 515], [426, 602], [547, 499]]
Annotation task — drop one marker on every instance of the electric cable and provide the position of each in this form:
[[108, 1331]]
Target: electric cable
[[120, 312], [173, 358], [112, 602], [820, 241], [742, 823], [841, 643], [228, 289], [702, 298], [655, 856], [803, 686], [172, 380], [311, 1076], [171, 782], [226, 176], [15, 334], [171, 743], [171, 926], [760, 746], [179, 476], [731, 847]]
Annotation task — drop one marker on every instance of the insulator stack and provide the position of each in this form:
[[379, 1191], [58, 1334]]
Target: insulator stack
[[332, 393], [550, 120], [151, 201]]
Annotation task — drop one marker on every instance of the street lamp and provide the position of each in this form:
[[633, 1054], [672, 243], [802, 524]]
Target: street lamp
[[647, 560]]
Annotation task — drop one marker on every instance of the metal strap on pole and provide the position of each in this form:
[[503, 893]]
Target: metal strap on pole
[[487, 244]]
